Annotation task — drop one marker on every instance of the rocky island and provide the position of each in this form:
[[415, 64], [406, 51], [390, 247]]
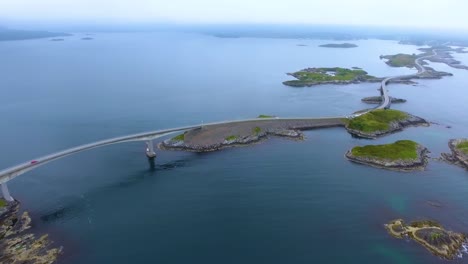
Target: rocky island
[[317, 76], [341, 45], [403, 155], [378, 100], [380, 122], [459, 155], [17, 245], [431, 235], [215, 137]]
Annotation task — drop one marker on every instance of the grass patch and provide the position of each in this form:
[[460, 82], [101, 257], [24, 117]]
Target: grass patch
[[231, 138], [376, 120], [256, 130], [463, 146], [3, 203], [402, 149], [265, 116], [401, 60], [180, 137]]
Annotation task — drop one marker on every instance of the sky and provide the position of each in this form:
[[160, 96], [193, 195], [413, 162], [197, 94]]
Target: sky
[[441, 14]]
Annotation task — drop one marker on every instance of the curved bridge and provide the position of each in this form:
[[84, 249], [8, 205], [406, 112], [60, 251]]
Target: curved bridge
[[13, 172], [386, 101]]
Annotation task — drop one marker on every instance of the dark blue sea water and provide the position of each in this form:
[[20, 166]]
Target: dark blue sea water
[[280, 201]]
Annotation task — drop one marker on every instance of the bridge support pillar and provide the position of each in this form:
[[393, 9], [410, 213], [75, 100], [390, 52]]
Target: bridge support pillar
[[150, 149], [5, 193]]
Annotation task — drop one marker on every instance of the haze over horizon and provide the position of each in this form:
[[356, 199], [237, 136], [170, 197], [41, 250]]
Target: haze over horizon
[[435, 14]]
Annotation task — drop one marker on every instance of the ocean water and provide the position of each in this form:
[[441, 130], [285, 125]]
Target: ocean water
[[280, 201]]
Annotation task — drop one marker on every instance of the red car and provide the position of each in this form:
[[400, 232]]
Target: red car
[[33, 161]]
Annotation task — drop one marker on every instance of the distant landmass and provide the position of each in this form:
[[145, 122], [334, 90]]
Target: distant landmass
[[341, 45], [14, 34]]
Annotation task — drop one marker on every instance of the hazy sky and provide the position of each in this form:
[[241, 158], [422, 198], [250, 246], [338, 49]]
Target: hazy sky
[[412, 13]]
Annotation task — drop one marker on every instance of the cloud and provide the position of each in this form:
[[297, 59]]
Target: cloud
[[430, 13]]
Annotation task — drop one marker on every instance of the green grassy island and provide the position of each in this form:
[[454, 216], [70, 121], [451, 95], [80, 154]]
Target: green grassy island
[[402, 149], [380, 122], [316, 76], [401, 60], [341, 45], [403, 155], [459, 155], [266, 116], [431, 235]]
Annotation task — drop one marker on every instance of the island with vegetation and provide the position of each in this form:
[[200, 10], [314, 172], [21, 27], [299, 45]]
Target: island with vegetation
[[403, 155], [16, 243], [459, 155], [14, 34], [317, 76], [440, 54], [220, 136], [401, 60], [380, 122], [431, 235], [378, 100], [340, 45]]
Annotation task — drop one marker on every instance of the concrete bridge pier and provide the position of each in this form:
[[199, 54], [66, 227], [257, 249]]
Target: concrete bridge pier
[[5, 193], [150, 149]]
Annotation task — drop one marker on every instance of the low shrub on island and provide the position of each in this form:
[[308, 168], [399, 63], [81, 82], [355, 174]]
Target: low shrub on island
[[403, 155], [463, 146], [382, 121], [266, 116]]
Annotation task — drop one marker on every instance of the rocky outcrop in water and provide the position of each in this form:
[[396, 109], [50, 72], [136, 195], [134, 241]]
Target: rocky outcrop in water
[[457, 157], [419, 163], [431, 235], [19, 246]]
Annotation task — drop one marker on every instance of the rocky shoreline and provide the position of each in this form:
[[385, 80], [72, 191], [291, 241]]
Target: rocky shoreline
[[457, 157], [378, 100], [172, 144], [217, 137], [397, 165], [431, 235], [394, 126], [19, 246]]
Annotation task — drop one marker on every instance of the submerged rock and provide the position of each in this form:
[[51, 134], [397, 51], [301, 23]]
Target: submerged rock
[[431, 235]]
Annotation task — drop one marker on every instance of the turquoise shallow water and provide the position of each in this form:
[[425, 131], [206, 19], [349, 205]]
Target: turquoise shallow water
[[280, 201]]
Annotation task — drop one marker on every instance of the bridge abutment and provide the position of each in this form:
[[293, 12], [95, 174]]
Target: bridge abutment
[[150, 149], [5, 193]]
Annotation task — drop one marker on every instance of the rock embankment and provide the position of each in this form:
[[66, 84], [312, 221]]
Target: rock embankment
[[458, 156], [431, 235], [216, 137], [418, 163], [19, 246], [378, 100]]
